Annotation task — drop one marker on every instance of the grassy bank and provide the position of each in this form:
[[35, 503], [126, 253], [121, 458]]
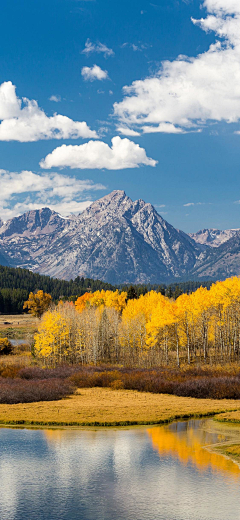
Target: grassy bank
[[106, 407], [230, 417], [232, 451]]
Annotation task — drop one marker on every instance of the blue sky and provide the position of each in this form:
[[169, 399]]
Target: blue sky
[[149, 75]]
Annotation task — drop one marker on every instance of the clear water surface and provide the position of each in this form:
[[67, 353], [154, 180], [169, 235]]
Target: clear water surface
[[159, 473]]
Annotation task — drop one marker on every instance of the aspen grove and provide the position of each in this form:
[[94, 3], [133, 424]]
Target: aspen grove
[[152, 330]]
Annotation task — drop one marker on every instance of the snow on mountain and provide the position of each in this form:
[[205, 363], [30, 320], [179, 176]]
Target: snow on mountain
[[119, 241], [213, 237], [115, 239]]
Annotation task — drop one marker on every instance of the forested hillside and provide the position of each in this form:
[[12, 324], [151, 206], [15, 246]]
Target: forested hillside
[[16, 284]]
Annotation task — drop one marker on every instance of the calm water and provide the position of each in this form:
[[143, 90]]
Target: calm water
[[138, 474]]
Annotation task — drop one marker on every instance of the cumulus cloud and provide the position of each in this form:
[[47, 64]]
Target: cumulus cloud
[[190, 92], [98, 47], [27, 190], [93, 73], [97, 154], [224, 6], [22, 120]]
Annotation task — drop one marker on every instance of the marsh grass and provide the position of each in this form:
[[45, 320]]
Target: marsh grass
[[231, 417], [232, 451], [107, 407]]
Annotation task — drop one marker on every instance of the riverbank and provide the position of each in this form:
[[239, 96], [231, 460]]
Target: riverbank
[[229, 417], [106, 407]]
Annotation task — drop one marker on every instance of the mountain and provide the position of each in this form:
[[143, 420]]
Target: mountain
[[119, 241], [213, 237], [221, 262], [115, 239]]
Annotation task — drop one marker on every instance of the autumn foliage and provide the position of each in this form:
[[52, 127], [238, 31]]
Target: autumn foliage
[[37, 303], [153, 330]]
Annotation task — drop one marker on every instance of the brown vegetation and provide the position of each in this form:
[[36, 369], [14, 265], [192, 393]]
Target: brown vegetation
[[21, 391], [201, 383]]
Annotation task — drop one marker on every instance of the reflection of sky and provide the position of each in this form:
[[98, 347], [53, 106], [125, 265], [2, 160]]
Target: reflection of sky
[[136, 474]]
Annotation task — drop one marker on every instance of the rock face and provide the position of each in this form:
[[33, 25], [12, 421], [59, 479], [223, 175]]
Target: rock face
[[115, 239], [118, 241], [221, 262], [213, 237]]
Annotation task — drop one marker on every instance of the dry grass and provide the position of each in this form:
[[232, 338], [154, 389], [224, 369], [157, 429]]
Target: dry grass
[[231, 417], [106, 407], [232, 451], [23, 360], [18, 326], [17, 320]]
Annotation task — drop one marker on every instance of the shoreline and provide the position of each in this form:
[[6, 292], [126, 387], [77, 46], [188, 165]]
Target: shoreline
[[103, 425], [106, 408]]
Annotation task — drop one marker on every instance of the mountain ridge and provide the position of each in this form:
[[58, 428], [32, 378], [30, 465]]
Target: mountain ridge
[[115, 239]]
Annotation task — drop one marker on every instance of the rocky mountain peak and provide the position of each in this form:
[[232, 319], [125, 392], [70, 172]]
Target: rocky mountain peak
[[34, 221], [213, 237], [117, 240], [111, 202]]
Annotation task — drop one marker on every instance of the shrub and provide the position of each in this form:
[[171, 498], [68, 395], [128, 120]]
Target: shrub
[[14, 391], [5, 347], [9, 371], [117, 384]]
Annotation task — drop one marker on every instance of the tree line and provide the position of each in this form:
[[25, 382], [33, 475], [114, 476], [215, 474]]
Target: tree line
[[17, 283]]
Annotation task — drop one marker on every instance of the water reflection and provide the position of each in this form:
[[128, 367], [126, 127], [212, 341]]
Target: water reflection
[[137, 474], [185, 441]]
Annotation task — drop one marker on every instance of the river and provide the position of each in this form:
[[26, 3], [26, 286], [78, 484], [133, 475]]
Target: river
[[150, 473]]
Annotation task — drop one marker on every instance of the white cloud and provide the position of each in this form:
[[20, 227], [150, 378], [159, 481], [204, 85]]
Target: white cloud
[[191, 92], [26, 190], [225, 6], [140, 47], [57, 99], [98, 47], [166, 128], [23, 120], [127, 131], [93, 73], [194, 204], [97, 154]]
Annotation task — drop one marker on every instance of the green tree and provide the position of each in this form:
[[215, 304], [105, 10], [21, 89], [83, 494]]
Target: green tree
[[131, 293]]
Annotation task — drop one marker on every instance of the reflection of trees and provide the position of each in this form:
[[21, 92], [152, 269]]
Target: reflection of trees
[[187, 446]]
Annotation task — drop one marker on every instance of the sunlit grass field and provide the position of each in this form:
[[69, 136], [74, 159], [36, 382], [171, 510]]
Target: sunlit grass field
[[17, 326], [106, 407], [232, 417]]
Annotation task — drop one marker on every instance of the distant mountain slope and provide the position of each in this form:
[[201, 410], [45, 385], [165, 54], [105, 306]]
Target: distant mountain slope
[[213, 237], [221, 262], [16, 284], [115, 239], [118, 241]]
